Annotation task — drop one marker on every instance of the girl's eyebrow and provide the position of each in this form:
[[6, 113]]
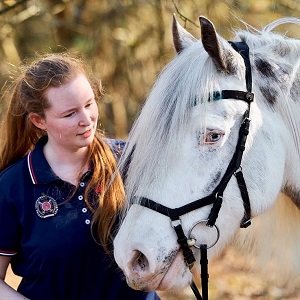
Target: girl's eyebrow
[[74, 108], [65, 112]]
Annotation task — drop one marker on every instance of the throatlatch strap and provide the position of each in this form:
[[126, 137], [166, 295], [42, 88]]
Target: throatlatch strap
[[214, 212], [246, 221]]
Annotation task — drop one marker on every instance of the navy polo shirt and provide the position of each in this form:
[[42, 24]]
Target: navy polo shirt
[[45, 228]]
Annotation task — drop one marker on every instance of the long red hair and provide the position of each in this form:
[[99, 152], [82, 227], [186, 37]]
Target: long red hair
[[19, 135]]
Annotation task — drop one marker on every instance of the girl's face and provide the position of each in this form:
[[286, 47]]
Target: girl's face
[[71, 120]]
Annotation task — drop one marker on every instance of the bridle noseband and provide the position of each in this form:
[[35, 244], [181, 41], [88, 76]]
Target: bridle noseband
[[216, 197]]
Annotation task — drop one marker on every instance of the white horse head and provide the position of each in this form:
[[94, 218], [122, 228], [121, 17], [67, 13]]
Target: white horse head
[[183, 141]]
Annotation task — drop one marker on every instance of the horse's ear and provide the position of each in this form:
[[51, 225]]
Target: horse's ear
[[181, 38], [214, 46]]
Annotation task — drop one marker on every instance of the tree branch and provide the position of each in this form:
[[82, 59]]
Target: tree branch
[[182, 17], [9, 7]]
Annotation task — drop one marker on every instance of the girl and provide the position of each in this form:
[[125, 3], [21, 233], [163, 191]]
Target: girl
[[55, 167]]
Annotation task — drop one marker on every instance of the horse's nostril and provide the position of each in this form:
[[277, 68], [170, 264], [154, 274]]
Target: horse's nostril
[[139, 262]]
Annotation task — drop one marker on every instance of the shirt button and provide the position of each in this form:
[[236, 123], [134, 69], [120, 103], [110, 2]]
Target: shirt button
[[87, 222], [84, 210], [80, 197], [82, 184]]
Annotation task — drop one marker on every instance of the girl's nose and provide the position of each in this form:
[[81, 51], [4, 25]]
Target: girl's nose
[[85, 119]]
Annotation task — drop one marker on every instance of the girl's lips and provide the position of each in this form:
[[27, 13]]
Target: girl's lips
[[86, 133]]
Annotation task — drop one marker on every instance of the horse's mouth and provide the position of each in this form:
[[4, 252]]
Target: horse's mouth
[[176, 269]]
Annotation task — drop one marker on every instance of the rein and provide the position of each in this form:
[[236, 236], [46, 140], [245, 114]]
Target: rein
[[216, 197]]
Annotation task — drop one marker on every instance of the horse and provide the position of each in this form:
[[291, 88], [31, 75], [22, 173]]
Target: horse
[[213, 159]]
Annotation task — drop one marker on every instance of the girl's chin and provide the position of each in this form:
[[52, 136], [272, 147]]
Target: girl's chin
[[85, 142]]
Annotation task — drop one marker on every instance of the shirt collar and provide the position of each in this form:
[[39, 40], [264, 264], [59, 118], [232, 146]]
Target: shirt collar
[[39, 169]]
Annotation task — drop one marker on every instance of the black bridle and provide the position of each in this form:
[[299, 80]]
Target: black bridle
[[216, 197]]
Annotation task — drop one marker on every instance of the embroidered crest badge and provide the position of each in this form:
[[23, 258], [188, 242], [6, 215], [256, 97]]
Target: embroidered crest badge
[[46, 206]]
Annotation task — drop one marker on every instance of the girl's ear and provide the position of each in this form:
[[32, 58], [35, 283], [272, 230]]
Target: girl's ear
[[37, 121]]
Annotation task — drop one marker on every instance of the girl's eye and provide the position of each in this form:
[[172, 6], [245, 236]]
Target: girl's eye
[[69, 115], [90, 103], [213, 137]]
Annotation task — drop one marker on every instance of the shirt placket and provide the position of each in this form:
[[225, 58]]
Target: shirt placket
[[84, 209]]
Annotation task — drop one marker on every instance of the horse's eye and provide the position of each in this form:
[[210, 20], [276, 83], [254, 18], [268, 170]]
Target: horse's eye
[[213, 137]]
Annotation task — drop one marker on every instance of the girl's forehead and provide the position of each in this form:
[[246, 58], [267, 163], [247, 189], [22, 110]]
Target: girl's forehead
[[74, 83], [73, 92]]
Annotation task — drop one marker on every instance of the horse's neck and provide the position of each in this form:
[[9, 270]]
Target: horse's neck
[[271, 243], [289, 109], [288, 105], [288, 98], [286, 92]]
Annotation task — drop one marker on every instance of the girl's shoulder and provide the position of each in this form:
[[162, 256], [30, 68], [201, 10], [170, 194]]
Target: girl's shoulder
[[14, 171]]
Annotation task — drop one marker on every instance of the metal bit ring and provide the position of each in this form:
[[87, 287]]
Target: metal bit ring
[[193, 238]]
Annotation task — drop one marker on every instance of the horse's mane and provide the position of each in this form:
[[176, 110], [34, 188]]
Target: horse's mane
[[272, 44], [283, 54], [171, 100]]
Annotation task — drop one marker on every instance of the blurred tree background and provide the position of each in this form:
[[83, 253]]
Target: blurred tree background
[[127, 41]]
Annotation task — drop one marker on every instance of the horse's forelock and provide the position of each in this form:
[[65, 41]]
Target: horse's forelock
[[183, 83]]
